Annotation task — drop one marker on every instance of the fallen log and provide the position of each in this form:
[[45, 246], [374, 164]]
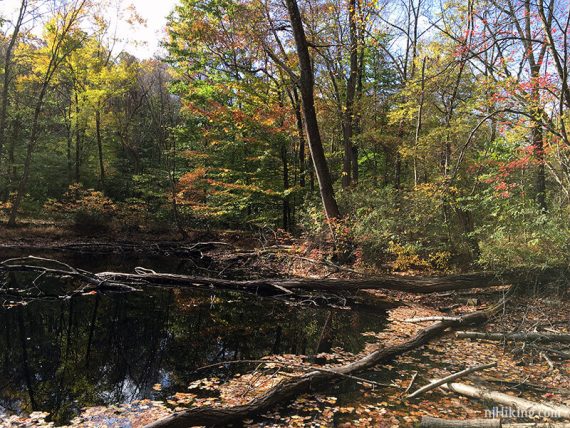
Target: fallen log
[[419, 284], [290, 388], [449, 378], [430, 422], [388, 282], [516, 337], [524, 407]]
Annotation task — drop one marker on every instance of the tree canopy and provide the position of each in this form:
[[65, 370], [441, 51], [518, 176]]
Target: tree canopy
[[430, 132]]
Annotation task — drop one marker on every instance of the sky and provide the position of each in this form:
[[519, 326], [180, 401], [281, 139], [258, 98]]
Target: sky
[[147, 38]]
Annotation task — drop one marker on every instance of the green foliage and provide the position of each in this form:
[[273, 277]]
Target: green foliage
[[409, 225], [449, 158], [520, 235]]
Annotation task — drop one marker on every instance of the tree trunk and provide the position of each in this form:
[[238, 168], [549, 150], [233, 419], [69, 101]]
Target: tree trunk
[[77, 141], [69, 18], [69, 155], [348, 116], [11, 170], [419, 120], [538, 148], [28, 161], [306, 84], [301, 135], [99, 146], [7, 74], [286, 221]]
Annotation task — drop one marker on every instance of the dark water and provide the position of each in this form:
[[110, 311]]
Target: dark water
[[61, 355]]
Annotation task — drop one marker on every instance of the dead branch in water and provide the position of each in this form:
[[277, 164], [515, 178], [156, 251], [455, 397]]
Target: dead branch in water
[[272, 286], [43, 266], [388, 282]]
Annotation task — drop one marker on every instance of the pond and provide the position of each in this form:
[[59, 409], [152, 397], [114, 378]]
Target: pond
[[59, 356]]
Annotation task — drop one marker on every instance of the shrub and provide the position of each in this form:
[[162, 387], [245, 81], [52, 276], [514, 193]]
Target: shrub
[[521, 235], [88, 209]]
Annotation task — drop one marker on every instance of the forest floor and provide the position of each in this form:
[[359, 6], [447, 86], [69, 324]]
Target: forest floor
[[530, 370]]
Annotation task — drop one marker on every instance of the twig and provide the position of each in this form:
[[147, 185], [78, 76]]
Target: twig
[[548, 361], [414, 376]]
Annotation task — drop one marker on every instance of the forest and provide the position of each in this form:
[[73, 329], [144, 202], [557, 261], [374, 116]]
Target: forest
[[293, 213]]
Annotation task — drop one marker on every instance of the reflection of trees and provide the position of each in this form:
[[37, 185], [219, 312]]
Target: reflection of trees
[[89, 350]]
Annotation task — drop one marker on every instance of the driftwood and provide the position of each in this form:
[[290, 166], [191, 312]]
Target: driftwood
[[429, 422], [524, 407], [449, 378], [290, 388], [516, 337]]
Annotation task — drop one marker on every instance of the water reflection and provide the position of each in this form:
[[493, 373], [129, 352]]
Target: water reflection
[[60, 356]]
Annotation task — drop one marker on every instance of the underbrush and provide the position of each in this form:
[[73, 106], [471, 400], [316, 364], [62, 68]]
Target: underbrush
[[396, 232], [423, 229], [520, 235]]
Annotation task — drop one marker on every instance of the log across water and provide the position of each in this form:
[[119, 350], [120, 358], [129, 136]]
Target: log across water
[[272, 285]]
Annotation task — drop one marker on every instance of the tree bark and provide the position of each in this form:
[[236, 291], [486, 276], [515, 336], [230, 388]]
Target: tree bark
[[301, 135], [306, 84]]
